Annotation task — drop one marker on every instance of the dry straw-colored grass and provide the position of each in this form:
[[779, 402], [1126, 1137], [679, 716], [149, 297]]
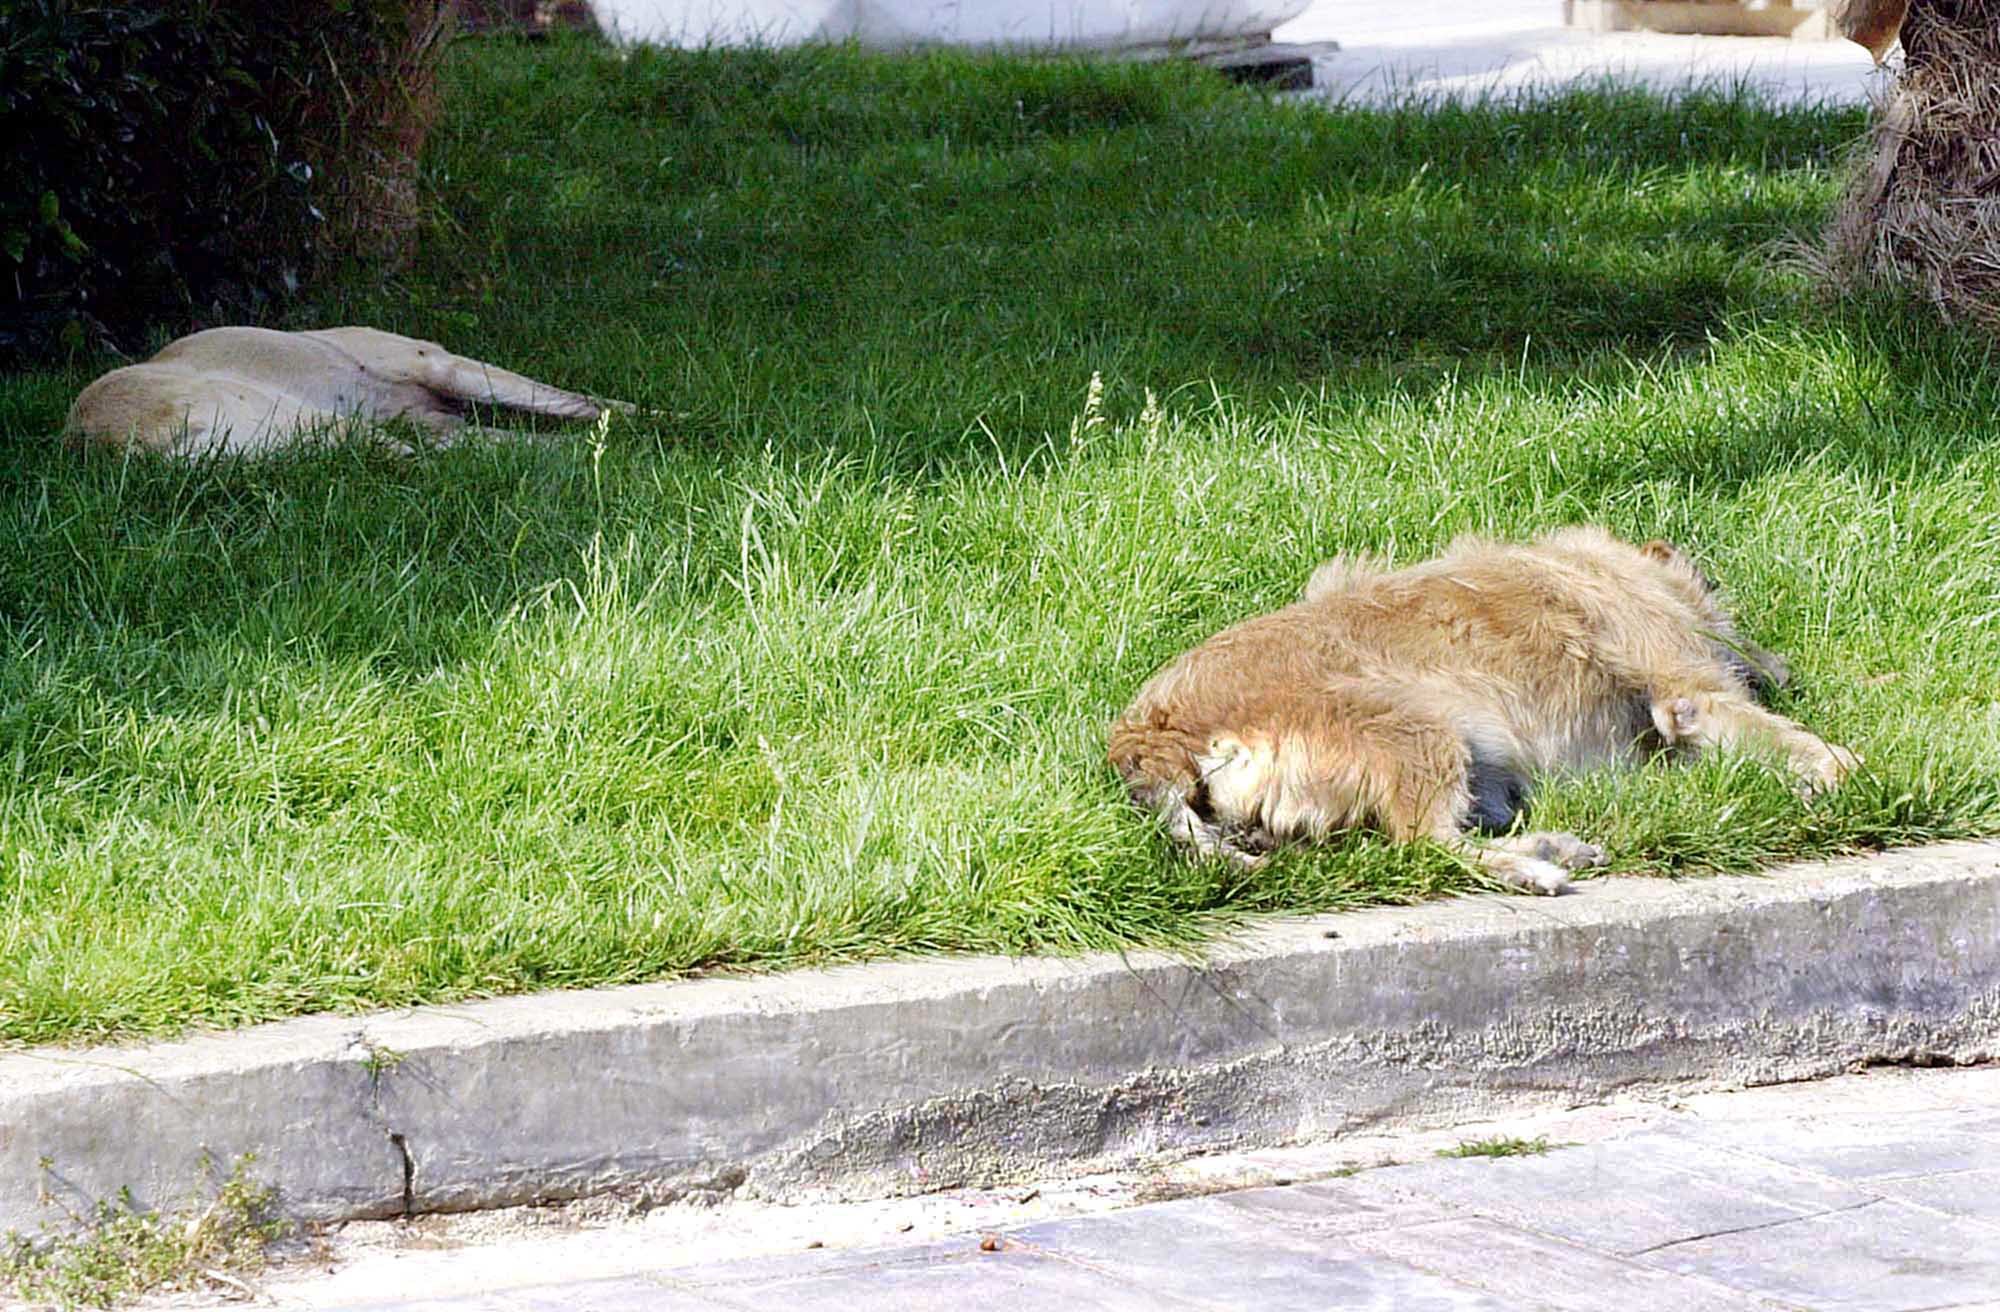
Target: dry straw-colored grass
[[1922, 209]]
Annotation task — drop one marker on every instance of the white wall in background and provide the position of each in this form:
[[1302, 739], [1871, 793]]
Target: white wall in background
[[892, 24]]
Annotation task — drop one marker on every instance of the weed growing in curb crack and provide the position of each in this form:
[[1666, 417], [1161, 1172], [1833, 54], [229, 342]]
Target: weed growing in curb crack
[[380, 1060], [116, 1251], [1498, 1147]]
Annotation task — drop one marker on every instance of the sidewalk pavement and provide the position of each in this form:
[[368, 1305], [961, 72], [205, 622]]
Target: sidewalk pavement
[[1876, 1191], [1466, 49]]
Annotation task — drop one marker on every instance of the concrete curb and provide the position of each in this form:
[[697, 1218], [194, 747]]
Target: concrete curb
[[918, 1075]]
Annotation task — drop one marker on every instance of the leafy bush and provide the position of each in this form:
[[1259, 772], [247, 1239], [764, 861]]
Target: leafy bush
[[167, 161]]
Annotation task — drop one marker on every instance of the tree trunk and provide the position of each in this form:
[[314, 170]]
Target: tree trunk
[[1931, 28], [1923, 212]]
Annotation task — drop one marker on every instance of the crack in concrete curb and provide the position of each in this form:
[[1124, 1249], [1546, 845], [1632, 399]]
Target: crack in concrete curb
[[409, 1173], [921, 1075]]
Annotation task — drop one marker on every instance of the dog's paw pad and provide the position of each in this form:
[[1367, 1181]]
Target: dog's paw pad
[[1543, 877], [1586, 856], [1565, 850], [1823, 772]]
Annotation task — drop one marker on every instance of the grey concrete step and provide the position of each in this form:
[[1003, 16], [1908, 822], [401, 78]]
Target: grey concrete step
[[910, 1077]]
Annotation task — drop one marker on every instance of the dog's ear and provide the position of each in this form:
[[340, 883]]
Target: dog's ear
[[1674, 558]]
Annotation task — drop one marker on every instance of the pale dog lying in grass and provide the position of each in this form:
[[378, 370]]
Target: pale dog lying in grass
[[1421, 701], [249, 390]]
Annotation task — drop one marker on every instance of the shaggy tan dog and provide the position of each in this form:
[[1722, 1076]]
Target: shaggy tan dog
[[247, 390], [1422, 701]]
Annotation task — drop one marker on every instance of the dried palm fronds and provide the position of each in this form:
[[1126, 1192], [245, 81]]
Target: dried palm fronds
[[1922, 210]]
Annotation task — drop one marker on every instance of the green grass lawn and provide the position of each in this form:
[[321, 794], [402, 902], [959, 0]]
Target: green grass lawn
[[814, 663]]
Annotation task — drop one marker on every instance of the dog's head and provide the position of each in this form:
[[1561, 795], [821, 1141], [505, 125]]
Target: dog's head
[[1759, 670]]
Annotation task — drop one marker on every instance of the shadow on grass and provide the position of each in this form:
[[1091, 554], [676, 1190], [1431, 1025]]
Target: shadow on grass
[[801, 255], [824, 248], [864, 295], [922, 262]]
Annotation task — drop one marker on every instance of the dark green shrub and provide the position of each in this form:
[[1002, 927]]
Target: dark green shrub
[[167, 162]]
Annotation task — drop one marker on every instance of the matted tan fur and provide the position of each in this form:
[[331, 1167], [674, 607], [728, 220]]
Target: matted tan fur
[[1422, 701], [247, 390]]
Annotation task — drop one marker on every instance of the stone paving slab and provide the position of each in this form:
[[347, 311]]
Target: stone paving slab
[[969, 1278], [1370, 52], [1522, 1269], [1629, 1197], [1882, 1256], [1852, 1149], [619, 1295], [1220, 1257], [1630, 1210], [1974, 1195], [1335, 1208]]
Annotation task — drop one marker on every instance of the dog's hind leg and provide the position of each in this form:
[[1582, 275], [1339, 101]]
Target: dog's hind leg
[[1701, 701], [1763, 672], [1443, 784], [1720, 718], [456, 381], [478, 383]]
